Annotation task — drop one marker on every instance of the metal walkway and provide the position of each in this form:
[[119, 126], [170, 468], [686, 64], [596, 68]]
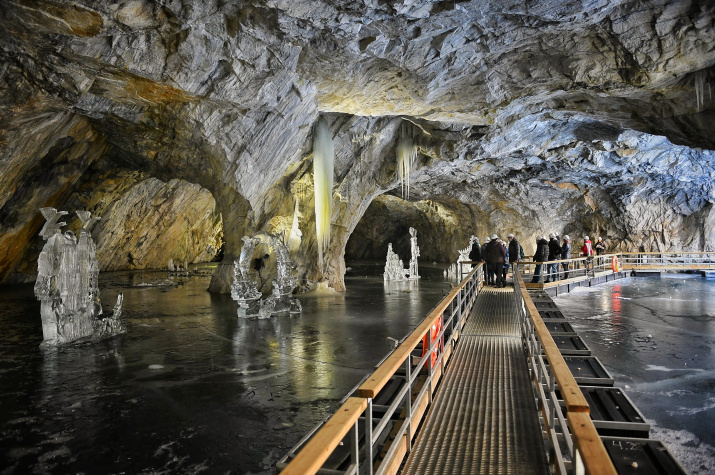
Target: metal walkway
[[484, 417]]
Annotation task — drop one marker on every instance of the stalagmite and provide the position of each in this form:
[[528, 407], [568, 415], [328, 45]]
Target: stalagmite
[[67, 273], [323, 155]]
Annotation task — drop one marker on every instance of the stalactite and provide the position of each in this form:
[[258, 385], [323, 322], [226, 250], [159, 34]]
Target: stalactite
[[323, 157], [699, 81], [406, 154]]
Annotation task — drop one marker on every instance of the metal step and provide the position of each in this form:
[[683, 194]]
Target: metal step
[[614, 414], [631, 456]]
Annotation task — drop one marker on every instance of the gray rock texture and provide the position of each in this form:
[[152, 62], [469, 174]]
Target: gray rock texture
[[530, 117]]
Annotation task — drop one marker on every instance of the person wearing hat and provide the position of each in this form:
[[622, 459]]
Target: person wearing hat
[[541, 254], [566, 254], [495, 260], [475, 254], [587, 251], [514, 252], [554, 255]]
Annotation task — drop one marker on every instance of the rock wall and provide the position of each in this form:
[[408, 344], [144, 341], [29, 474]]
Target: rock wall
[[580, 117]]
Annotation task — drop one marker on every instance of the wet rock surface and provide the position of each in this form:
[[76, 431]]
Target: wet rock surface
[[580, 117]]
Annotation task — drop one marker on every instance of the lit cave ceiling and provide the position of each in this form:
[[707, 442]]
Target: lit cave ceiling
[[187, 124]]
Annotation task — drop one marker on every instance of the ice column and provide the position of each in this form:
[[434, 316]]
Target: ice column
[[414, 273], [323, 156], [394, 269]]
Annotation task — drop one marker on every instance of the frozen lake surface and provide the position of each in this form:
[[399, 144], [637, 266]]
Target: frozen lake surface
[[190, 388], [657, 338]]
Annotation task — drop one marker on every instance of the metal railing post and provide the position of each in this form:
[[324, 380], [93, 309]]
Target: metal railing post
[[355, 448], [367, 469]]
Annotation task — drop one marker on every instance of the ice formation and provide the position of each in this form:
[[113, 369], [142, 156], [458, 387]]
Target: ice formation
[[245, 291], [394, 269], [452, 271], [323, 156], [406, 154], [414, 271], [67, 273]]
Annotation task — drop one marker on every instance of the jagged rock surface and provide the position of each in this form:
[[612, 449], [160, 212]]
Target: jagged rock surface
[[581, 116]]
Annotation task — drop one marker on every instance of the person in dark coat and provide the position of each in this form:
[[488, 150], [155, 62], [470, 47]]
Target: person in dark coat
[[483, 250], [566, 254], [554, 255], [475, 255], [514, 252], [541, 255], [495, 260]]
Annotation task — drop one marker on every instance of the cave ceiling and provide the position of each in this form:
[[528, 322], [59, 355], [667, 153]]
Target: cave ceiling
[[567, 115]]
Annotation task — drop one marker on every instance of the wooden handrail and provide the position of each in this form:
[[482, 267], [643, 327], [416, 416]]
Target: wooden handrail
[[314, 454], [665, 253], [381, 376], [584, 434], [573, 397]]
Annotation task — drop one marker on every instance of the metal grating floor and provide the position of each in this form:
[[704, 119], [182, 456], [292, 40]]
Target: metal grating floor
[[484, 418]]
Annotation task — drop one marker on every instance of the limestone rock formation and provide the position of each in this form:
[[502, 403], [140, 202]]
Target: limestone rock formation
[[581, 117]]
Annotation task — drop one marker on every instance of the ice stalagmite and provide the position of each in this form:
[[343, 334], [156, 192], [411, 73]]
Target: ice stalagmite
[[67, 273], [323, 156]]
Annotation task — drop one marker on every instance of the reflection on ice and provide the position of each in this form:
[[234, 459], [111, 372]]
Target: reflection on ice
[[657, 337]]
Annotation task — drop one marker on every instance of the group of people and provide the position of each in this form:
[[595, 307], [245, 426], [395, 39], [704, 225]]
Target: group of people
[[554, 250], [498, 255]]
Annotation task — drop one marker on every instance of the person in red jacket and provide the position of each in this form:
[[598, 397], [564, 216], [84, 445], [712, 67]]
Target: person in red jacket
[[587, 250]]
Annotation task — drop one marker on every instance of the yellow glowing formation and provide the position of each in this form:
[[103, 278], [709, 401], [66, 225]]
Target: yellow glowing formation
[[323, 155]]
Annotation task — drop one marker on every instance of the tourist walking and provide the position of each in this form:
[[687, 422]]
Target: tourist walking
[[475, 255], [505, 266], [495, 260], [566, 254], [541, 255], [514, 253], [554, 255], [587, 250], [600, 248]]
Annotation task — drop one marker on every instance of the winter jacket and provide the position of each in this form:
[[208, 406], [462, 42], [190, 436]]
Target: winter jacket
[[566, 250], [476, 253], [587, 250], [495, 252], [542, 250], [513, 250], [600, 247], [554, 250]]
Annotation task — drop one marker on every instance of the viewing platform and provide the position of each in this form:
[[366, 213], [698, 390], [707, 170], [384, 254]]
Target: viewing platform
[[492, 381]]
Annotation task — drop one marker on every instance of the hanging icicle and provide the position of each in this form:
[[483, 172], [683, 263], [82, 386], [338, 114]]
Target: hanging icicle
[[323, 157], [406, 155], [700, 79]]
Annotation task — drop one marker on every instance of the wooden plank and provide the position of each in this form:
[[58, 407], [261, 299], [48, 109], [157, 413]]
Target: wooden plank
[[589, 444], [321, 445]]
